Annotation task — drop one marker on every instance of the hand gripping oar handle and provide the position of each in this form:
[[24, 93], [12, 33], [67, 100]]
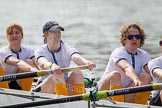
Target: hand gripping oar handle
[[38, 73], [86, 96]]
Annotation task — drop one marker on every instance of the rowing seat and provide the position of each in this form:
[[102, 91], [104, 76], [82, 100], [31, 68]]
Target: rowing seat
[[26, 84], [5, 83]]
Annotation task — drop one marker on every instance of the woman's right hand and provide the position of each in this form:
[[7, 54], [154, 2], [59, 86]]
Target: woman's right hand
[[91, 65], [55, 68], [137, 82]]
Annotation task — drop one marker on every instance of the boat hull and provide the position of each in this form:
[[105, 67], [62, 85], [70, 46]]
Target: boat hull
[[11, 98]]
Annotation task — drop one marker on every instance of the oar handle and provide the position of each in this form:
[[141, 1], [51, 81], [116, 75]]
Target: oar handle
[[38, 73], [65, 70], [74, 68]]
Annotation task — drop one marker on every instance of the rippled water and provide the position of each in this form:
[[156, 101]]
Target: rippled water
[[92, 26]]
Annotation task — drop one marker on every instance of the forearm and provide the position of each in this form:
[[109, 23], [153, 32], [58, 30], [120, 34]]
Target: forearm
[[45, 65], [80, 60], [129, 72], [35, 63], [127, 69], [158, 73], [23, 66]]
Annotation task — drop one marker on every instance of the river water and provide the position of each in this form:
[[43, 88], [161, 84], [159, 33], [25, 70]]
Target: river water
[[92, 26]]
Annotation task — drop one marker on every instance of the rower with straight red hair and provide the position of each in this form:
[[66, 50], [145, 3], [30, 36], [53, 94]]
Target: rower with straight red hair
[[17, 58], [54, 55]]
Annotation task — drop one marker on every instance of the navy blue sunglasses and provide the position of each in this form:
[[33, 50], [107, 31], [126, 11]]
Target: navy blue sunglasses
[[138, 36]]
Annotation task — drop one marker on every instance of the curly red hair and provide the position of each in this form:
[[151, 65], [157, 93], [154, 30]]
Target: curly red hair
[[124, 33]]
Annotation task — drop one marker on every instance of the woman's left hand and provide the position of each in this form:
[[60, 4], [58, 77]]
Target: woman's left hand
[[91, 65]]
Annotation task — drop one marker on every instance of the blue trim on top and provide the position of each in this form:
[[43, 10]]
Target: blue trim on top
[[54, 58], [39, 57], [145, 65], [14, 51], [17, 53], [131, 53], [154, 69], [7, 58], [32, 57], [133, 58], [120, 59], [57, 50], [74, 53]]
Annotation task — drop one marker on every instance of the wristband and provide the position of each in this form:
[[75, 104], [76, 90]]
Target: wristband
[[51, 68]]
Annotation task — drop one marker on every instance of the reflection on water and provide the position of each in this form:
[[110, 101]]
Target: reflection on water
[[92, 26]]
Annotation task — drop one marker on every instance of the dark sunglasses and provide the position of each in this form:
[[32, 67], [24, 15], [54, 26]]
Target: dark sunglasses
[[130, 37], [160, 42]]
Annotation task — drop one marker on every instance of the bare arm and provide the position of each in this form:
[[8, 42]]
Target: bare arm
[[22, 65], [79, 60], [129, 71], [45, 64], [157, 73], [35, 63], [147, 69]]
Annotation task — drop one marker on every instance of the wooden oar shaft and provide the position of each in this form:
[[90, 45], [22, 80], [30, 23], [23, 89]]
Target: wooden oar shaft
[[38, 73], [74, 68], [86, 96]]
